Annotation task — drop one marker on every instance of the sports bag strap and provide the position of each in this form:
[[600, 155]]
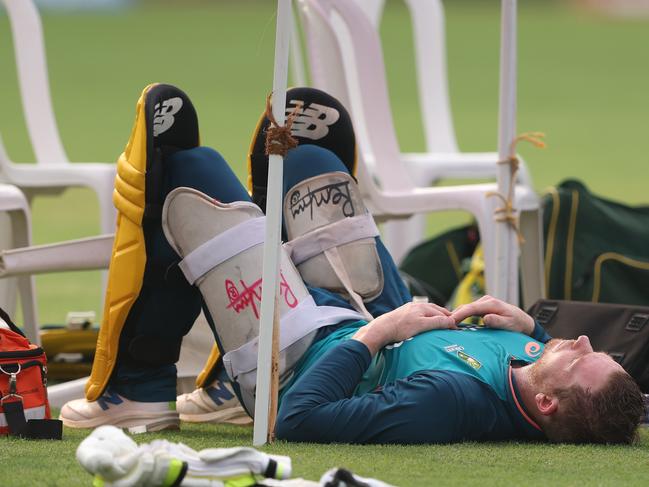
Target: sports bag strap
[[5, 317], [12, 405], [42, 429]]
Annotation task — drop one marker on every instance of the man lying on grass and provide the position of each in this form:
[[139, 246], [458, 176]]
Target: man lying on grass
[[360, 362], [413, 376]]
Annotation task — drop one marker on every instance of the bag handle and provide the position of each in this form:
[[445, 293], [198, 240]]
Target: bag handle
[[5, 317]]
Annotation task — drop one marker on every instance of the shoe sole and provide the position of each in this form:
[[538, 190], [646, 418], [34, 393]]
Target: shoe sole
[[235, 415], [138, 422]]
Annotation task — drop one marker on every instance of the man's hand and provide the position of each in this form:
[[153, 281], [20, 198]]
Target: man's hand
[[496, 314], [403, 323]]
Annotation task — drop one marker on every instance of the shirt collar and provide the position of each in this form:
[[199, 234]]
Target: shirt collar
[[514, 398]]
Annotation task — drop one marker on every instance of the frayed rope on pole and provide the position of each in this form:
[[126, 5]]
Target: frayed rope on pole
[[279, 139], [507, 212]]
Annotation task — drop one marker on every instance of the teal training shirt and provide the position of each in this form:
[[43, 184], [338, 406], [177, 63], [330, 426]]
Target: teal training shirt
[[440, 386], [483, 353]]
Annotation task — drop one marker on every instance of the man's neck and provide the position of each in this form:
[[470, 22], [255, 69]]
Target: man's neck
[[527, 392]]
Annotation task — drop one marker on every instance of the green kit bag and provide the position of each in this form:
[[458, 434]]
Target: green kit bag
[[434, 268], [596, 250]]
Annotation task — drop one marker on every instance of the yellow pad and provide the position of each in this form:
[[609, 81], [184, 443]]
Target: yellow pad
[[128, 257], [203, 378]]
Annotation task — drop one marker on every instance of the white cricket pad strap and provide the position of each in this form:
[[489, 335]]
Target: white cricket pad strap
[[227, 268], [332, 237], [230, 243], [241, 364]]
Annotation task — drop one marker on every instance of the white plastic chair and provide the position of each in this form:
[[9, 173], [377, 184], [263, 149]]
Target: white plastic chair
[[442, 159], [14, 204], [53, 171], [346, 60]]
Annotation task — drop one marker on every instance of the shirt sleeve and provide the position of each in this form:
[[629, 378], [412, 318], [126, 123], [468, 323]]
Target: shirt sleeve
[[540, 334], [427, 407]]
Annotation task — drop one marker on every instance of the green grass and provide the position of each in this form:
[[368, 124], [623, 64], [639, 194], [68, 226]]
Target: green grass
[[52, 463], [582, 79]]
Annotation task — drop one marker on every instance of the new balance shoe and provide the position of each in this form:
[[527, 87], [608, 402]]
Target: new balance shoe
[[215, 403], [113, 409]]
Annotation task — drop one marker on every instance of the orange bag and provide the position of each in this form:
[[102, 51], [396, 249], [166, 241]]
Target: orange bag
[[24, 408]]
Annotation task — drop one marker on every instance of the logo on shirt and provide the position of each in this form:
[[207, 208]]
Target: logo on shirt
[[533, 349], [453, 348], [469, 360]]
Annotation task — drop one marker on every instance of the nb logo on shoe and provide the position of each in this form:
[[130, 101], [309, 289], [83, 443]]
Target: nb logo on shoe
[[163, 117], [109, 398], [313, 121], [219, 393]]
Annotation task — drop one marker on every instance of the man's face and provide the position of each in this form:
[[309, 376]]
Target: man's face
[[565, 363]]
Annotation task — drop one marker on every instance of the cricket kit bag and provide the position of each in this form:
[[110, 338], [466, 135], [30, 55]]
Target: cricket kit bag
[[24, 409], [620, 330], [596, 250], [436, 267]]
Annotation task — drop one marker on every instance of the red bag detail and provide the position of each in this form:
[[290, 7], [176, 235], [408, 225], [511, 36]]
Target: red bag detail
[[26, 363]]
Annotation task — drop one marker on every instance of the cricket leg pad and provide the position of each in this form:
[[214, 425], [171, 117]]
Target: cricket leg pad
[[332, 237], [222, 249], [143, 291]]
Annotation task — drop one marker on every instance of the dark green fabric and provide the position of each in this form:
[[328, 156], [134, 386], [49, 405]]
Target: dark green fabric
[[606, 235], [429, 267]]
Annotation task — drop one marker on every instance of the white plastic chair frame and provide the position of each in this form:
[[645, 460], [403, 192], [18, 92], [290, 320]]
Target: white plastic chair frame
[[442, 160], [338, 34], [14, 203], [53, 171]]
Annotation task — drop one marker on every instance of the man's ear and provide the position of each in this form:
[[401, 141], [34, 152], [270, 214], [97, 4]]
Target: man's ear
[[546, 405]]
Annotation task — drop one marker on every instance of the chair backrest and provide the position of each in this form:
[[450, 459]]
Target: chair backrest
[[428, 25], [429, 41], [31, 66], [338, 34]]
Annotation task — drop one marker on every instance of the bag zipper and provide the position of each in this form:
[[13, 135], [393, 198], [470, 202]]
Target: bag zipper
[[607, 256], [34, 352]]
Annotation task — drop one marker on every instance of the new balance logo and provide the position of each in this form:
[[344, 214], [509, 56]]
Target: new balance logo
[[313, 121], [163, 117], [219, 393], [109, 398]]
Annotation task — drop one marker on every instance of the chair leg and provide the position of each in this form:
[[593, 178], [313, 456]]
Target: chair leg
[[20, 230], [531, 260], [8, 294]]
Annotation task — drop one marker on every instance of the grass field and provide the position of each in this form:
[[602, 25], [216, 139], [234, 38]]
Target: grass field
[[582, 79], [486, 464]]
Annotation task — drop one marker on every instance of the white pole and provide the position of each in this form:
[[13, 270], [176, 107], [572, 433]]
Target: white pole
[[270, 269], [506, 243], [298, 72]]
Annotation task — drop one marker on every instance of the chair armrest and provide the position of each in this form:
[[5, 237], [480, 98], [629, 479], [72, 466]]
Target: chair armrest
[[431, 167], [71, 255]]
